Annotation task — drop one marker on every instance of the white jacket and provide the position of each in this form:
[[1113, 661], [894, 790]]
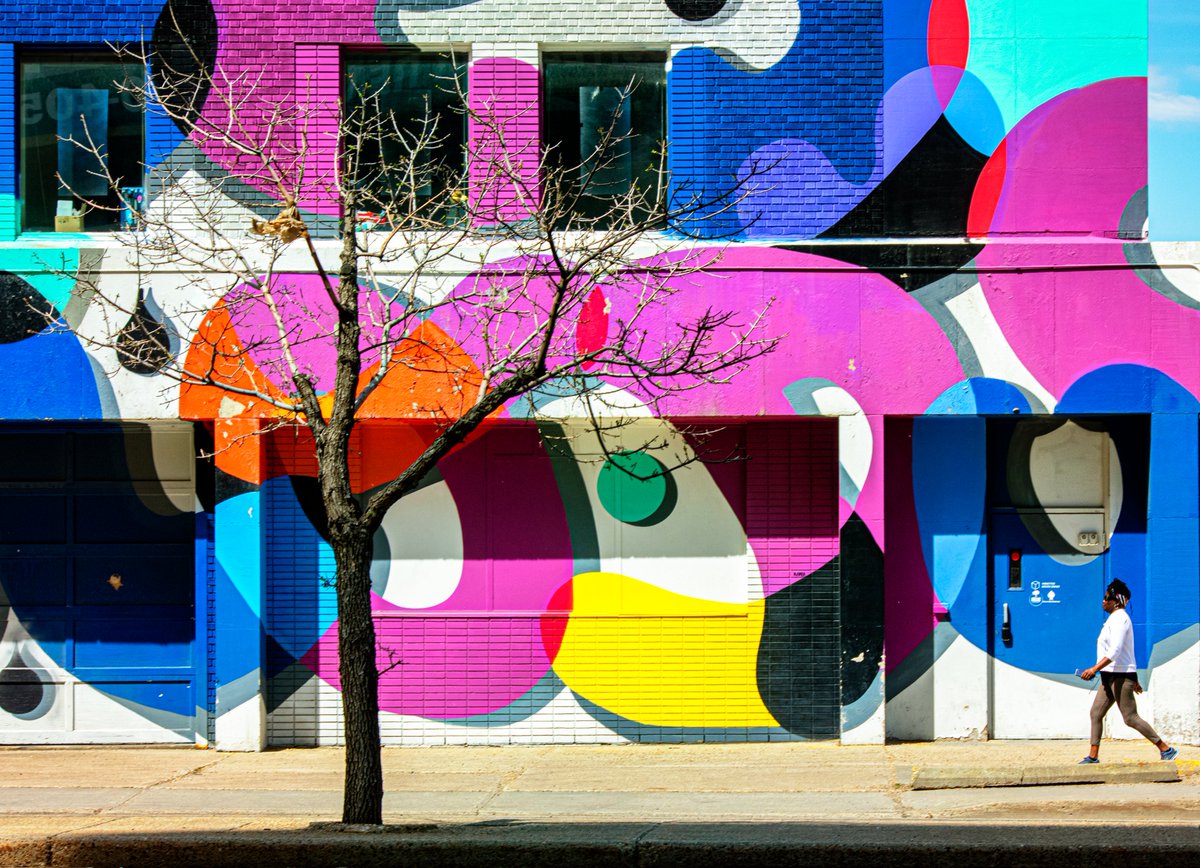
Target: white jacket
[[1116, 643]]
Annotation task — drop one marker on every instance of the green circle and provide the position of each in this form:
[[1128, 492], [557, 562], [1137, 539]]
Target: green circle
[[632, 486]]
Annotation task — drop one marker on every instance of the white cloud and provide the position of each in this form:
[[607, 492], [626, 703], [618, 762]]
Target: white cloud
[[1168, 102], [1168, 107]]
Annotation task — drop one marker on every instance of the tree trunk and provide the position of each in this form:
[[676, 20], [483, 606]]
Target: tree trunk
[[362, 800]]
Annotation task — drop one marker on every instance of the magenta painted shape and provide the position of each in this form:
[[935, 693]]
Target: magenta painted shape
[[482, 648], [449, 667], [1074, 162], [1067, 309], [265, 57], [307, 309], [504, 138]]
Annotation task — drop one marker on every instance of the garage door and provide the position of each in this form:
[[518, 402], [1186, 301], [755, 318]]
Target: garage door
[[97, 584]]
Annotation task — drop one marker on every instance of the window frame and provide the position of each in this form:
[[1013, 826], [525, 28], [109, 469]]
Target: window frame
[[658, 56], [455, 56], [64, 54]]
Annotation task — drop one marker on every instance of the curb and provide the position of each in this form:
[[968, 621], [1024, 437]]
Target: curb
[[962, 777], [628, 845]]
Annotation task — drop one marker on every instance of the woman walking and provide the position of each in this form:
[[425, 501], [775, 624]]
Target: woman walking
[[1118, 674]]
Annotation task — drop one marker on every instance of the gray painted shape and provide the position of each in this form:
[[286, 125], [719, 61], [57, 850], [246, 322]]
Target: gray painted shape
[[238, 691], [860, 710], [934, 297]]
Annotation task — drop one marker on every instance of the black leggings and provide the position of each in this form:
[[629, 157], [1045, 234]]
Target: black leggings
[[1118, 687]]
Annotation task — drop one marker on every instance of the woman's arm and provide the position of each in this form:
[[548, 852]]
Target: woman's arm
[[1089, 674]]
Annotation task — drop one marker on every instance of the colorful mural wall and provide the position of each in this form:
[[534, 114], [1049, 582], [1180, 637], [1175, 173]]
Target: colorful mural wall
[[980, 355]]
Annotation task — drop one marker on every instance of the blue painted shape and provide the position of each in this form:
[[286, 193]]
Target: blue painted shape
[[975, 115], [1172, 598], [950, 498], [1126, 389], [1049, 635], [825, 93], [48, 376], [240, 641], [237, 546], [87, 21], [979, 396], [304, 580], [176, 697], [906, 42]]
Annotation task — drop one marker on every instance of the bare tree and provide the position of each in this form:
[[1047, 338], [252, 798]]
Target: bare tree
[[483, 273]]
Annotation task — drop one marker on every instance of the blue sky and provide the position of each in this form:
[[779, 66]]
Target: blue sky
[[1175, 120]]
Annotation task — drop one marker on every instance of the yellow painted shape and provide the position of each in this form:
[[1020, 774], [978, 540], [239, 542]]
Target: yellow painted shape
[[660, 658]]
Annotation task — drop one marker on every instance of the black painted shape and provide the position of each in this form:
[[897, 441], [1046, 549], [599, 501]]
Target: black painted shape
[[862, 608], [21, 691], [308, 493], [143, 345], [286, 681], [927, 195], [184, 57], [695, 10], [226, 486], [910, 266], [23, 310], [799, 655]]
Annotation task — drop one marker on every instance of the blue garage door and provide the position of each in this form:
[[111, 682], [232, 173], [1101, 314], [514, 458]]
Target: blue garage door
[[97, 567]]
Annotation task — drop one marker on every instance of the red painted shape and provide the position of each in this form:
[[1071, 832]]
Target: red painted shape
[[949, 35], [554, 622], [592, 329], [987, 193]]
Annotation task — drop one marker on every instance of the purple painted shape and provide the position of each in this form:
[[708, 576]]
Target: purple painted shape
[[845, 324], [482, 648], [793, 169]]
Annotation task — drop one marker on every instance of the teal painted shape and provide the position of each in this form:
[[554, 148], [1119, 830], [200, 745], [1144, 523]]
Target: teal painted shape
[[632, 486], [1025, 52], [50, 272]]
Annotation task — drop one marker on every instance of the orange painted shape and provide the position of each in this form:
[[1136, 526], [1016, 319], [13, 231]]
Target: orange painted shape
[[216, 354]]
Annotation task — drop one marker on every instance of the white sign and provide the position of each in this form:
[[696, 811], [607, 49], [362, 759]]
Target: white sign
[[1044, 593]]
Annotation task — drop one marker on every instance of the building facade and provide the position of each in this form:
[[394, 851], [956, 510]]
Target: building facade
[[985, 404]]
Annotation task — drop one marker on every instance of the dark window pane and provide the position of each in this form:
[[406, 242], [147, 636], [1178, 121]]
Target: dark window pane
[[78, 97], [590, 96], [415, 96]]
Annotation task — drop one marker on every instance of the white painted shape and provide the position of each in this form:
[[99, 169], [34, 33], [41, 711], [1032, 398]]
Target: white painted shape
[[855, 443], [1184, 277], [871, 730], [243, 728], [949, 700], [1030, 706], [424, 533], [1072, 467], [719, 565], [997, 359], [1067, 467], [605, 402], [1171, 701], [758, 33]]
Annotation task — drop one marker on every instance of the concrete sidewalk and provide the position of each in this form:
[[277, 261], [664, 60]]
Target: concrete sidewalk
[[138, 805]]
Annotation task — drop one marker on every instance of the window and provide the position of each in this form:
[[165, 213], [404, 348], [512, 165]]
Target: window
[[78, 96], [589, 95], [405, 130]]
